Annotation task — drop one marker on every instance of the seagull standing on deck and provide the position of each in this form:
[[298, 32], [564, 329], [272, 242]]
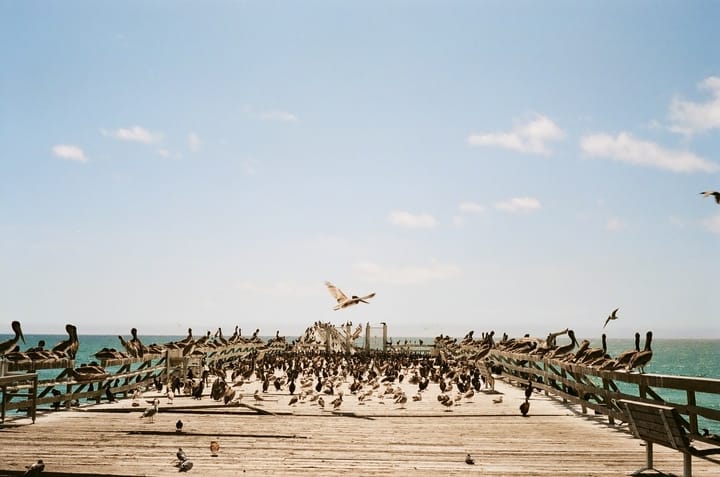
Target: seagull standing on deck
[[151, 411], [612, 316], [712, 193], [342, 299]]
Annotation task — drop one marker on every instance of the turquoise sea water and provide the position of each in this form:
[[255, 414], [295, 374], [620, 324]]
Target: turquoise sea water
[[696, 358]]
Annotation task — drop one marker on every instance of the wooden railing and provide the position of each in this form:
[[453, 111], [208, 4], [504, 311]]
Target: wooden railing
[[599, 390], [21, 390]]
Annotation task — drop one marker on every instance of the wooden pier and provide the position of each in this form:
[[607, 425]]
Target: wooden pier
[[378, 437]]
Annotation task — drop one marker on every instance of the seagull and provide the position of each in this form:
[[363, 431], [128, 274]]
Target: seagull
[[469, 460], [36, 468], [342, 299], [178, 427], [151, 411], [497, 400], [612, 316], [712, 193]]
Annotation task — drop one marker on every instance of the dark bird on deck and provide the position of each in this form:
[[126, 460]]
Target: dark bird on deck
[[185, 466], [180, 454], [529, 390], [9, 345], [469, 460], [640, 359], [525, 407], [179, 426], [612, 316], [342, 299], [712, 193], [36, 468], [109, 394]]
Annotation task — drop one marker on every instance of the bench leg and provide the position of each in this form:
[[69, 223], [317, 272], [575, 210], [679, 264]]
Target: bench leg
[[648, 459]]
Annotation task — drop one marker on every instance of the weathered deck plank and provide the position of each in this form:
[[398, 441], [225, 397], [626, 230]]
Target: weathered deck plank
[[375, 438]]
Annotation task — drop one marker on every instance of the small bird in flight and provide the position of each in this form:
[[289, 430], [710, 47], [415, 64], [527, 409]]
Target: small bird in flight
[[612, 316], [712, 193], [342, 299]]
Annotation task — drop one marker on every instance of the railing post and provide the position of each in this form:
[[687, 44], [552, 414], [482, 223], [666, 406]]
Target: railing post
[[692, 415]]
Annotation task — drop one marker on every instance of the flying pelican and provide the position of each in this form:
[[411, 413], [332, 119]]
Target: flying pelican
[[712, 193], [9, 345], [612, 316], [342, 299]]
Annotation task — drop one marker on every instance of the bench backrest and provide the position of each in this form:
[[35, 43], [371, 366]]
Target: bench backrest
[[658, 424]]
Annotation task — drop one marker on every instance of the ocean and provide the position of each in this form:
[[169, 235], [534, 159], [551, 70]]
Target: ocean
[[696, 358]]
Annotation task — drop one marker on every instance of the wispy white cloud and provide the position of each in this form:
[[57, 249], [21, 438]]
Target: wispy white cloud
[[134, 133], [69, 152], [712, 223], [283, 116], [271, 115], [532, 136], [194, 142], [407, 219], [373, 272], [614, 224], [471, 208], [626, 148], [688, 117], [519, 204]]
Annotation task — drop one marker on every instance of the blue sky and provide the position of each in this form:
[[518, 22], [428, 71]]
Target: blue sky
[[516, 166]]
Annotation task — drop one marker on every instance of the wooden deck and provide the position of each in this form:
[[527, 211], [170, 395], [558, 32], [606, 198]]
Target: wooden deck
[[375, 438]]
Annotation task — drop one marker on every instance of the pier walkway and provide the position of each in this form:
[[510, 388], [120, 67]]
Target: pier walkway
[[373, 438]]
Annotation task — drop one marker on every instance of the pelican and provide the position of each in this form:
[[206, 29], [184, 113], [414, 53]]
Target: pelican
[[563, 350], [624, 357], [612, 316], [342, 299], [712, 193], [9, 345], [640, 359], [70, 345], [136, 343]]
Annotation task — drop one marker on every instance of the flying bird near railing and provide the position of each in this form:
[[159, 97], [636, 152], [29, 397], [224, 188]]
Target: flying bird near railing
[[342, 299], [712, 193], [612, 316]]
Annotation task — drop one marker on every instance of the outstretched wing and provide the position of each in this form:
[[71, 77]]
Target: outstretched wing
[[336, 292]]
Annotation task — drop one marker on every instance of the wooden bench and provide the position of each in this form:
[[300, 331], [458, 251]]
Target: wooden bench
[[658, 424]]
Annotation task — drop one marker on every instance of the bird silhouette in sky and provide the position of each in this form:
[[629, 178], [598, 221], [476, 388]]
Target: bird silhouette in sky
[[611, 316]]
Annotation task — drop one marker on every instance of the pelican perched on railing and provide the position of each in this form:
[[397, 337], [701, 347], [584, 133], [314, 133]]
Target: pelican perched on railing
[[70, 345], [640, 359], [8, 345]]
